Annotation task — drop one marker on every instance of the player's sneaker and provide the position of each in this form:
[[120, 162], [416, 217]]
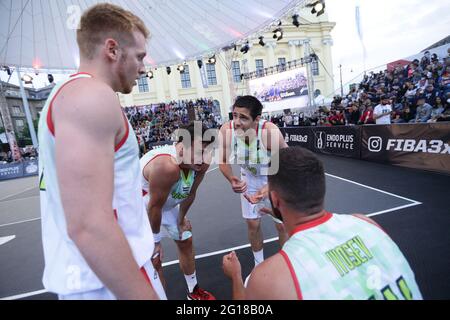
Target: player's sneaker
[[200, 294]]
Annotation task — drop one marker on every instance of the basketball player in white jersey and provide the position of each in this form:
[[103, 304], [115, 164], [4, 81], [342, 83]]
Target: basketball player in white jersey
[[96, 235], [249, 139], [171, 176], [328, 256]]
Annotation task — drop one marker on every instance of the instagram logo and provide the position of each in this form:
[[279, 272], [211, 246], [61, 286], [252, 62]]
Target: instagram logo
[[375, 144]]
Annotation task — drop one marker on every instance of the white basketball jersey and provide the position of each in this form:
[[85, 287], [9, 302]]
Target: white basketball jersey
[[66, 271], [254, 158], [180, 190]]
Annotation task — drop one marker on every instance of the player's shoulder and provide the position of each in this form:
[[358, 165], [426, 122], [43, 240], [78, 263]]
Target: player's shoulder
[[271, 280], [269, 125], [165, 166], [226, 125], [87, 103], [88, 88], [366, 219], [88, 95]]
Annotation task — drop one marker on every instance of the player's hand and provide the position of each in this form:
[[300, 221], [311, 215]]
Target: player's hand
[[266, 210], [231, 265], [238, 185], [157, 256], [258, 196], [184, 225]]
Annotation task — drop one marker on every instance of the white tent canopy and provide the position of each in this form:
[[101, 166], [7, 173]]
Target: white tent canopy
[[41, 34]]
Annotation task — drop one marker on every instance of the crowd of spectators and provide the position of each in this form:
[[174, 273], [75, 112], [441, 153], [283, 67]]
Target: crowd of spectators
[[157, 122], [27, 153], [418, 92]]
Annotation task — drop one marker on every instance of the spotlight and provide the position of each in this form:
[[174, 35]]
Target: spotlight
[[261, 41], [278, 34], [50, 78], [295, 21], [200, 63], [27, 79], [245, 48], [317, 7], [212, 60], [168, 70], [150, 74], [181, 68]]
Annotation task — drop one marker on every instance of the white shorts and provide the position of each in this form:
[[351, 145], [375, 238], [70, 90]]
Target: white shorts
[[254, 184], [104, 294], [169, 224]]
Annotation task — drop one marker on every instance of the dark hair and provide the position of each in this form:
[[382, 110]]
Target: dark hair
[[190, 127], [251, 103], [300, 180]]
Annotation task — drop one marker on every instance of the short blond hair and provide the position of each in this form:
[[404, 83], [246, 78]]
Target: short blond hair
[[104, 21]]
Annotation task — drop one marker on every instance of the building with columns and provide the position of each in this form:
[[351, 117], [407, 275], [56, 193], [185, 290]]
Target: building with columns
[[222, 81]]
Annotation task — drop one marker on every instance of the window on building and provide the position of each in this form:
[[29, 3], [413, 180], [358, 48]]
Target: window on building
[[315, 68], [236, 68], [16, 111], [185, 78], [259, 67], [211, 74], [143, 84], [281, 64], [20, 123]]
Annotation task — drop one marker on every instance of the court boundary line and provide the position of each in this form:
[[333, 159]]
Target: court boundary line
[[17, 193], [372, 188], [10, 200], [18, 222], [205, 255], [413, 202]]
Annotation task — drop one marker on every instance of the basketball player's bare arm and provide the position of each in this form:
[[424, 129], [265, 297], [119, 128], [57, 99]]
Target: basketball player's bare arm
[[184, 225], [88, 124], [225, 146], [161, 175], [232, 269], [270, 280], [273, 141], [237, 184]]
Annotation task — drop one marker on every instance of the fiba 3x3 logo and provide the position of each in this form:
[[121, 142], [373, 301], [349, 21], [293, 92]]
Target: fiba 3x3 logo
[[375, 144]]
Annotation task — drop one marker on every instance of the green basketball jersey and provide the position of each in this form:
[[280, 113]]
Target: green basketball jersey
[[341, 257]]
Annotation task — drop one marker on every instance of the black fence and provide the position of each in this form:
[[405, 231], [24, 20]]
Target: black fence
[[419, 146]]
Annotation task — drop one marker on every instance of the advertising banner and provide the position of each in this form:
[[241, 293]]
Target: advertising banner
[[420, 146]]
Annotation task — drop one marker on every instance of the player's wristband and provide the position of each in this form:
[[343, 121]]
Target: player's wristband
[[157, 237]]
